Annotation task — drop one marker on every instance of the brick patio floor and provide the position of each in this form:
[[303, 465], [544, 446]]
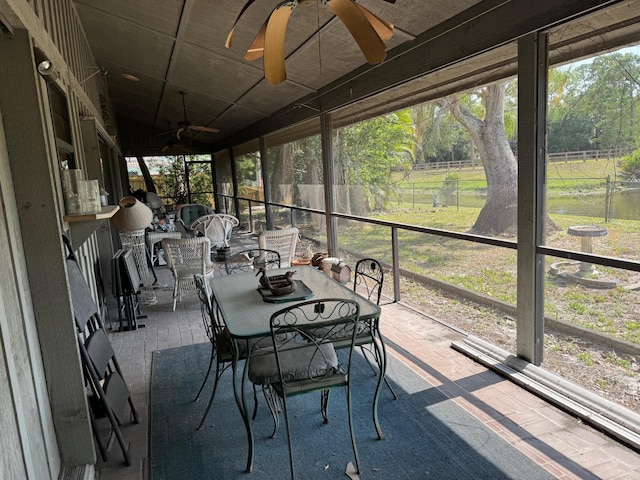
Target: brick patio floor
[[557, 441]]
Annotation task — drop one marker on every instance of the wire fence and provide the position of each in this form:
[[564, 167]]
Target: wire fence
[[589, 197]]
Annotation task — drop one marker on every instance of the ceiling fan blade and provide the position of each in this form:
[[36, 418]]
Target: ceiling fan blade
[[362, 31], [390, 1], [200, 128], [179, 132], [244, 9], [383, 28], [256, 49], [274, 68]]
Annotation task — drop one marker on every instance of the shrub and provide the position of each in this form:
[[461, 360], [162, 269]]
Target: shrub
[[450, 183], [630, 165]]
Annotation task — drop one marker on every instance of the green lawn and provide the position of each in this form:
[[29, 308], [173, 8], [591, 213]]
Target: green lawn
[[492, 271], [560, 175]]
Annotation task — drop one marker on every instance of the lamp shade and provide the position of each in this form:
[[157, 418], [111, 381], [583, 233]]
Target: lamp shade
[[133, 215]]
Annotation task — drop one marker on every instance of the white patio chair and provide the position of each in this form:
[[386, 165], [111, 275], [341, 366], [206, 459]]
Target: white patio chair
[[283, 241], [187, 257], [218, 228]]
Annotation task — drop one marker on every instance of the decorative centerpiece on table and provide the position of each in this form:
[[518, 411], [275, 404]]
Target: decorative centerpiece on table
[[278, 284]]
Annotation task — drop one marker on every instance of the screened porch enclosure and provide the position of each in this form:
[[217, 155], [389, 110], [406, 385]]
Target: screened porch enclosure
[[337, 177]]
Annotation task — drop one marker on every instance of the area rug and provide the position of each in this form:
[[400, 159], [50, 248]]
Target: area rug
[[426, 434]]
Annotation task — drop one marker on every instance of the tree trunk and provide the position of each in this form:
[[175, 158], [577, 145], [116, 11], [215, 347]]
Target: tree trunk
[[281, 175], [500, 210]]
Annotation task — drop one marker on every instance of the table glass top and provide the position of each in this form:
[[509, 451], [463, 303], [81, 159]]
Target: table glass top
[[247, 315]]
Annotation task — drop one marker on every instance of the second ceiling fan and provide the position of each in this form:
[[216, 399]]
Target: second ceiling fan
[[367, 29], [185, 125]]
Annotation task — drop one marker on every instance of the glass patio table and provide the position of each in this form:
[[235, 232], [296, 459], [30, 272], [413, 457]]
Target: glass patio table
[[247, 317]]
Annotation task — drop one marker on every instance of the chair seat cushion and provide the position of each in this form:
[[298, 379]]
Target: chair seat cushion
[[300, 363]]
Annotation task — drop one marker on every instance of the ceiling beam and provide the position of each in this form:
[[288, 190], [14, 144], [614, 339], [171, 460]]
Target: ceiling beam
[[182, 27]]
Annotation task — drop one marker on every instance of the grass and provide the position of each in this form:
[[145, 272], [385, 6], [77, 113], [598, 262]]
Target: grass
[[586, 358], [492, 271], [561, 176]]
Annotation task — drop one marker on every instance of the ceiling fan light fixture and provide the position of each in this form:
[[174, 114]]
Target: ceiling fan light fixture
[[129, 76], [185, 125]]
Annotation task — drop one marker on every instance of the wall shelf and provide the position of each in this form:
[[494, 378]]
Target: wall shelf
[[107, 211], [82, 225]]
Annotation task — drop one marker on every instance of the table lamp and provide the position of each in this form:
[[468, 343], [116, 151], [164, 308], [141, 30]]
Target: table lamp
[[133, 215]]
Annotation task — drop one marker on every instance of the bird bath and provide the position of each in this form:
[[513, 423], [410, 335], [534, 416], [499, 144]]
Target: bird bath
[[586, 271], [586, 233]]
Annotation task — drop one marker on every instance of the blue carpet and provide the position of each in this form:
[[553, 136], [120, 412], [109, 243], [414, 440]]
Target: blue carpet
[[426, 434]]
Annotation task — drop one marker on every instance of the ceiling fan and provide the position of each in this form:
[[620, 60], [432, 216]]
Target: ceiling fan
[[186, 125], [367, 29]]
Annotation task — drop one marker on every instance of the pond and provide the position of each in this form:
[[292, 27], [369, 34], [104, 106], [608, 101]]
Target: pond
[[625, 204]]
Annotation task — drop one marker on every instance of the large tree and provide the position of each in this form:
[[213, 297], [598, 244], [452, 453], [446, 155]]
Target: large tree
[[484, 119], [597, 104]]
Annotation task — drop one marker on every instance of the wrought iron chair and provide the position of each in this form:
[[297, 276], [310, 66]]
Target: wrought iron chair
[[368, 279], [283, 241], [251, 260], [304, 359], [222, 348], [187, 257]]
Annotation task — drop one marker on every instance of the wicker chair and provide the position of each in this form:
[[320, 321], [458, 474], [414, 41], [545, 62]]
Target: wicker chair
[[283, 241], [187, 257], [189, 213], [218, 228]]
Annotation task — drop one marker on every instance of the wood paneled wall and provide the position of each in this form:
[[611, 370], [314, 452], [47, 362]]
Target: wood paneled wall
[[45, 423]]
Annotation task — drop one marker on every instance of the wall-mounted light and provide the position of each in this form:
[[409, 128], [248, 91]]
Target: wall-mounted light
[[48, 71], [45, 67]]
